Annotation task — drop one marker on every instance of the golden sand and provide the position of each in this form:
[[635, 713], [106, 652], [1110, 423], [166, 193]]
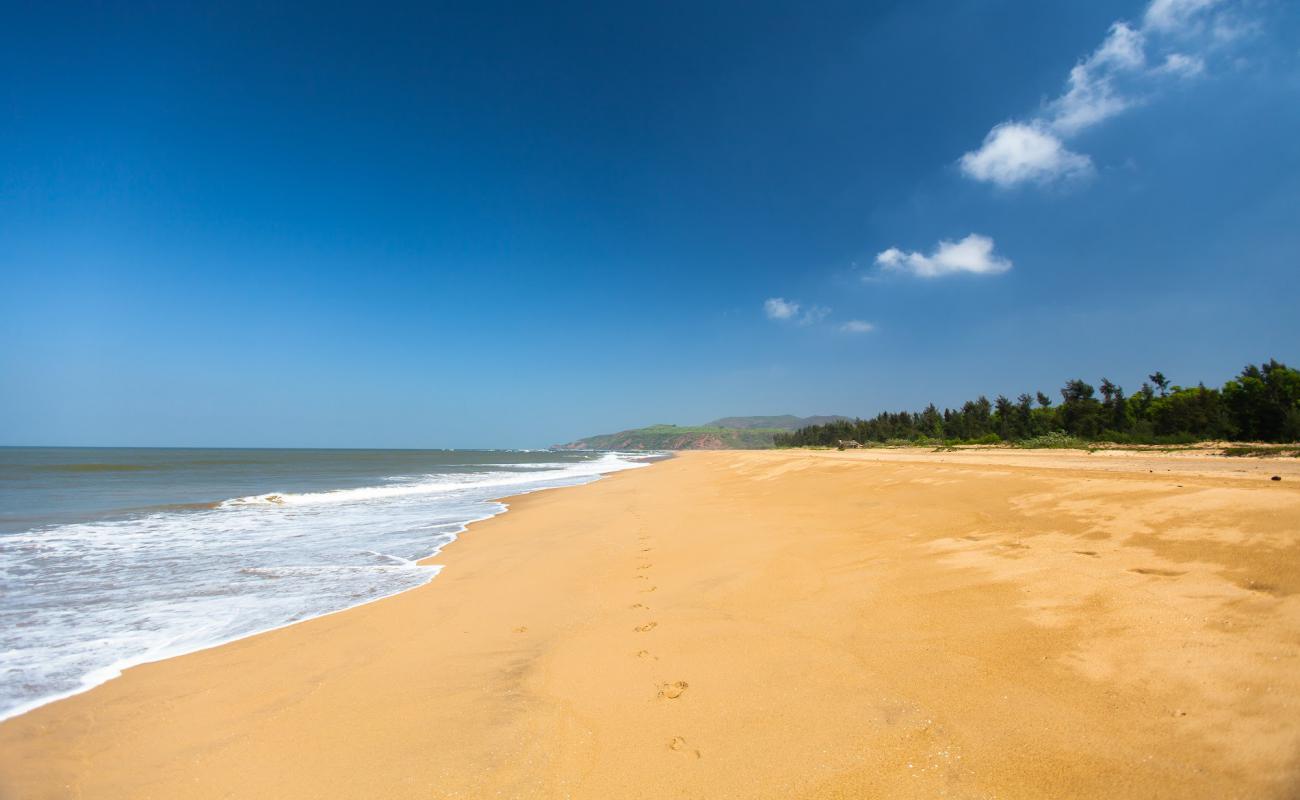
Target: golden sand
[[764, 625]]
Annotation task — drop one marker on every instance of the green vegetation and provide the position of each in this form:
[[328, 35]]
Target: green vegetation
[[1053, 440], [727, 433], [784, 422], [1262, 404]]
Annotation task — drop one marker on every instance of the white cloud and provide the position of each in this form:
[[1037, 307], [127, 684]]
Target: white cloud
[[780, 308], [974, 254], [857, 326], [814, 314], [1182, 66], [1092, 96], [1014, 152], [1115, 77], [1173, 15], [1123, 48], [893, 257]]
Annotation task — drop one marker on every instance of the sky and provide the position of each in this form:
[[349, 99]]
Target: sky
[[512, 225]]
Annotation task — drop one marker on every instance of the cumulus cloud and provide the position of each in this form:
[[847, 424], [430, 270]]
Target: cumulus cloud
[[974, 254], [782, 310], [857, 326], [1117, 76], [1015, 153]]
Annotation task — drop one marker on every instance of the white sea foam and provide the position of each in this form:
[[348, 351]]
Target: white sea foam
[[522, 475], [81, 602]]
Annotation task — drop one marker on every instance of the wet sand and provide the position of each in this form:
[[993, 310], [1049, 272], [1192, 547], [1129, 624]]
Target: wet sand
[[787, 624]]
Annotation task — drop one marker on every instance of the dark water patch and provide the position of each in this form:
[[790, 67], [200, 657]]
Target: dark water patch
[[74, 468]]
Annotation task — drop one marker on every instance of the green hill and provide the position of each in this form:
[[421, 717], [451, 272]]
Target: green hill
[[680, 437], [784, 422], [728, 433]]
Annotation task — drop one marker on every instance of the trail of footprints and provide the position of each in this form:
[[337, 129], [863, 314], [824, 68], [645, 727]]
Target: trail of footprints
[[668, 690]]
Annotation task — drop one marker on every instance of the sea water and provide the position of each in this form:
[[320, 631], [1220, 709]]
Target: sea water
[[111, 557]]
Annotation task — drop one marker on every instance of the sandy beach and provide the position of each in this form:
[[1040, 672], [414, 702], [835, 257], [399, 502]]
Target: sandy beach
[[782, 624]]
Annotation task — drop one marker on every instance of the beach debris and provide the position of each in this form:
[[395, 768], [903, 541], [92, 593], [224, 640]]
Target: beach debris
[[1276, 478]]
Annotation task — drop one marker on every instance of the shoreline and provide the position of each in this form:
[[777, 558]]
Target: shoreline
[[767, 624], [498, 506]]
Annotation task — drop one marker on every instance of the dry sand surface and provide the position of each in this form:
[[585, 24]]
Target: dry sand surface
[[793, 624]]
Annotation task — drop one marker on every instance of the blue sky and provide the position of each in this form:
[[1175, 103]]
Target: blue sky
[[513, 225]]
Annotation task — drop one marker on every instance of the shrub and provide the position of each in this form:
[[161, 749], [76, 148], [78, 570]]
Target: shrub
[[1054, 440]]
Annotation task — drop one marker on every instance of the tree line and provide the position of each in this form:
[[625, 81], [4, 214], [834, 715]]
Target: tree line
[[1262, 404]]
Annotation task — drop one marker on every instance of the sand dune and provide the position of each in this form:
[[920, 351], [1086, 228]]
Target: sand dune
[[764, 625]]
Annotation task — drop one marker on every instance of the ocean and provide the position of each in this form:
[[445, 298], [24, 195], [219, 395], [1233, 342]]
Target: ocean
[[112, 557]]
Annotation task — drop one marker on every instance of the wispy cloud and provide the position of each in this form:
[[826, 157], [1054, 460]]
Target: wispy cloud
[[782, 310], [790, 312], [1182, 65], [814, 314], [974, 254], [1092, 93], [1171, 41], [1173, 15]]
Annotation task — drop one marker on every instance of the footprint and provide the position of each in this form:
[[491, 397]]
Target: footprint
[[645, 566], [678, 745], [646, 549], [639, 605], [522, 629], [649, 626], [674, 690], [649, 589], [1163, 573], [646, 654], [643, 577], [1092, 553]]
